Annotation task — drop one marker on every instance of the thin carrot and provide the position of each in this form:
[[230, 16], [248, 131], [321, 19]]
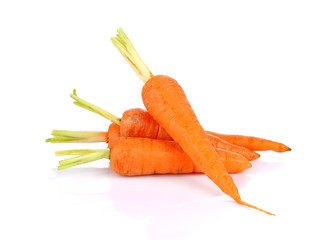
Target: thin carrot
[[252, 143], [144, 156], [221, 143], [166, 102]]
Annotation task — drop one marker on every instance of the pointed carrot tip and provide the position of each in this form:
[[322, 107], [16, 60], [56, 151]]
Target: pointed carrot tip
[[254, 207], [255, 156], [284, 149], [248, 165]]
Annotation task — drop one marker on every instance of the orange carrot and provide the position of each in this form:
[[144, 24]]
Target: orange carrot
[[221, 143], [233, 162], [166, 102], [139, 123], [252, 143], [144, 156]]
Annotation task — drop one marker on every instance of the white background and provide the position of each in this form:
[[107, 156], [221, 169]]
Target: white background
[[248, 67]]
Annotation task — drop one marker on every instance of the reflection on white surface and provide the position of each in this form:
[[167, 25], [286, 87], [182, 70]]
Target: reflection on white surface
[[183, 206], [178, 202]]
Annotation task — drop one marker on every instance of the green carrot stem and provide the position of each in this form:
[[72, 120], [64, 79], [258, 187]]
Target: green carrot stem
[[89, 106], [83, 106], [86, 155], [62, 136], [126, 48], [77, 152], [78, 134]]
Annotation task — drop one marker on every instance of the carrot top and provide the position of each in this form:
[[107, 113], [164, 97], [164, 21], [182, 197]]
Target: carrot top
[[126, 48], [85, 156], [65, 136], [89, 106]]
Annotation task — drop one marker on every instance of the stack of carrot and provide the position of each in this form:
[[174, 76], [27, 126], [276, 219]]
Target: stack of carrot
[[167, 138]]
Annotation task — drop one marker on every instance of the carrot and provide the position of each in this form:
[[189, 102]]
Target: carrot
[[144, 156], [139, 123], [221, 143], [166, 102], [252, 143], [233, 162]]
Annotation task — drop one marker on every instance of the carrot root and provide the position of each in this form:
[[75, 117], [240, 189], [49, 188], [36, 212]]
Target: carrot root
[[254, 207]]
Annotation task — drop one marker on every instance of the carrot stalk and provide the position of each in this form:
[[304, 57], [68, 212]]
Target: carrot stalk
[[86, 155], [63, 136], [166, 102], [126, 48], [89, 106]]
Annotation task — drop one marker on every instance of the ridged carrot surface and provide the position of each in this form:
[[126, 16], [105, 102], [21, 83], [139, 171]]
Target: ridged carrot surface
[[137, 122], [252, 143], [145, 156], [113, 133]]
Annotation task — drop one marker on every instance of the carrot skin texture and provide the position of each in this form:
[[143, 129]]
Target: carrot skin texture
[[220, 143], [233, 162], [145, 156], [253, 143], [166, 102], [113, 133], [139, 123]]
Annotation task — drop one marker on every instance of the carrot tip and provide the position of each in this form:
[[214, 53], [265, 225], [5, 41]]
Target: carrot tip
[[254, 207]]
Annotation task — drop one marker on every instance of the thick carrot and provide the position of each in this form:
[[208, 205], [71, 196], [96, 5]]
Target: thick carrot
[[139, 123], [252, 143], [166, 102], [145, 156]]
